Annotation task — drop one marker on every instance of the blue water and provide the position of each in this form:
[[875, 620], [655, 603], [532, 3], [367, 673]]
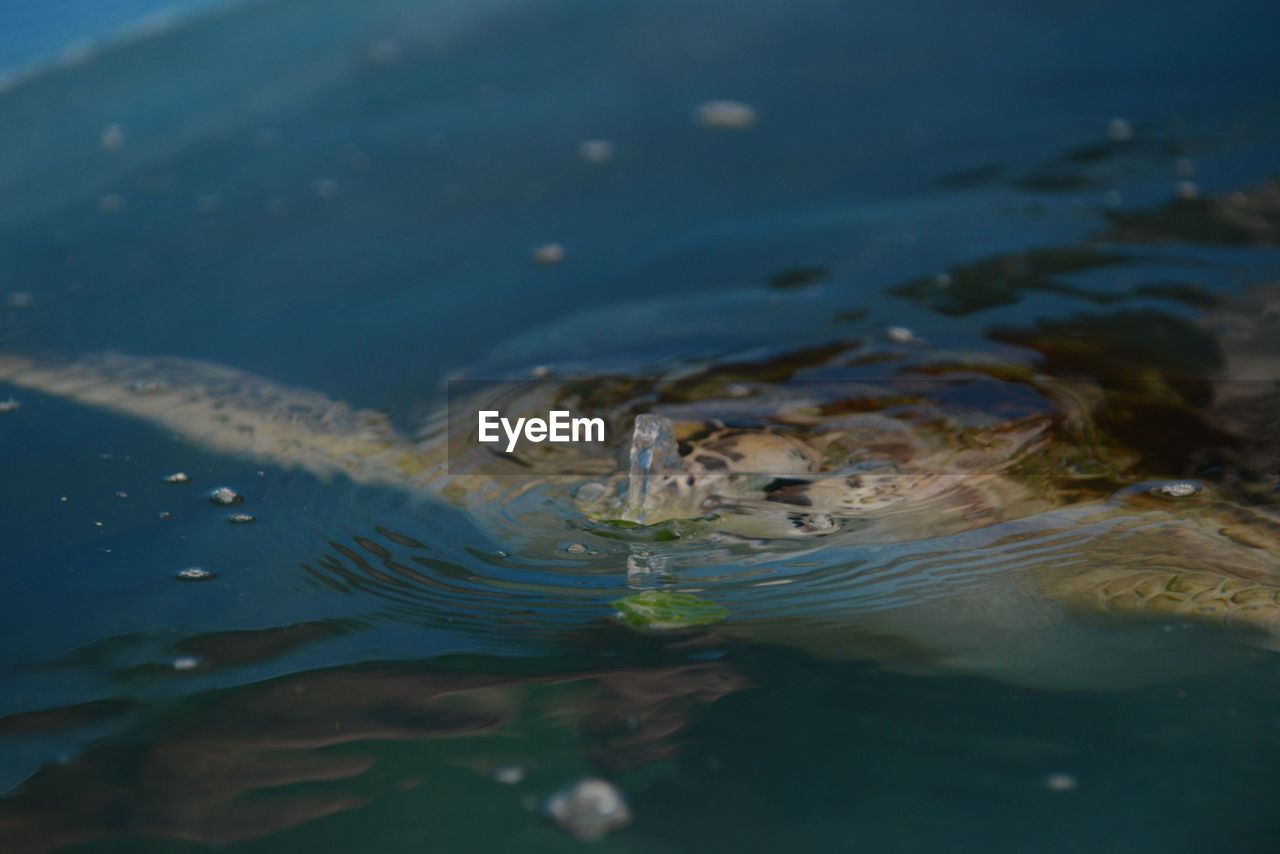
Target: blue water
[[344, 196]]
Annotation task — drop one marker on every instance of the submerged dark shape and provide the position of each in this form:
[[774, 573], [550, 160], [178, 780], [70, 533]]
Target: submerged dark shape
[[230, 771], [1000, 280], [1249, 218]]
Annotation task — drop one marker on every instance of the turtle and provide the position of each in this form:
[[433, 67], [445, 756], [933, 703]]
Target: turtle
[[1004, 527]]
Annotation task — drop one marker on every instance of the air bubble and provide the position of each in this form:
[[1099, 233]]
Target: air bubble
[[592, 491], [576, 548], [1182, 489], [225, 496], [240, 519], [112, 137], [508, 775], [177, 477], [325, 188], [595, 151], [1119, 130], [9, 405], [548, 255], [725, 115], [189, 662], [195, 573], [901, 335], [1061, 782], [589, 809]]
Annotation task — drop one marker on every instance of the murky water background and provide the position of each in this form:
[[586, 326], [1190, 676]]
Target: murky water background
[[345, 197]]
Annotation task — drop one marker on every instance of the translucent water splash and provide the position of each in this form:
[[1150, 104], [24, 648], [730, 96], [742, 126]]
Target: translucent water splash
[[653, 453]]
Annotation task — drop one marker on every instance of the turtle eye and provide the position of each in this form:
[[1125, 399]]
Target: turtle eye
[[788, 490]]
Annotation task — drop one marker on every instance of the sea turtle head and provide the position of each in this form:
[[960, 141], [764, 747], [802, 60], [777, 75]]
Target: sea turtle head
[[752, 483]]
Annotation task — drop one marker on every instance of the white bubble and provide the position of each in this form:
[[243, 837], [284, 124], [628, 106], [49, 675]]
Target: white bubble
[[226, 496], [1119, 130], [1183, 489], [595, 151], [325, 188], [548, 255], [189, 662], [112, 137], [725, 115], [11, 405], [576, 548], [177, 477], [508, 775], [589, 809], [195, 573], [1061, 782], [901, 335]]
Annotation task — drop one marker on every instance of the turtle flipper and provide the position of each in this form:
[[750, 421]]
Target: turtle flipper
[[232, 412]]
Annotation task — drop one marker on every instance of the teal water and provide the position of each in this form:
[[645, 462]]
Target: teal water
[[345, 197]]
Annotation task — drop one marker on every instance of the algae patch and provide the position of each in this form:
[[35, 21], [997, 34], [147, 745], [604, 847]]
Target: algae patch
[[655, 610]]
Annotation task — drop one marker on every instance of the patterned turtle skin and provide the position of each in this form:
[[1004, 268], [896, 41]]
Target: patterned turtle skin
[[815, 469]]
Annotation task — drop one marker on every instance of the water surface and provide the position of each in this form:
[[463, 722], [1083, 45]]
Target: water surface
[[345, 197]]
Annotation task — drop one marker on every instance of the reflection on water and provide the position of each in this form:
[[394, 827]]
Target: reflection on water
[[953, 488], [238, 765]]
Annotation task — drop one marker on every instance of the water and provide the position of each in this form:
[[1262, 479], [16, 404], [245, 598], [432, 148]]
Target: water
[[359, 199]]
